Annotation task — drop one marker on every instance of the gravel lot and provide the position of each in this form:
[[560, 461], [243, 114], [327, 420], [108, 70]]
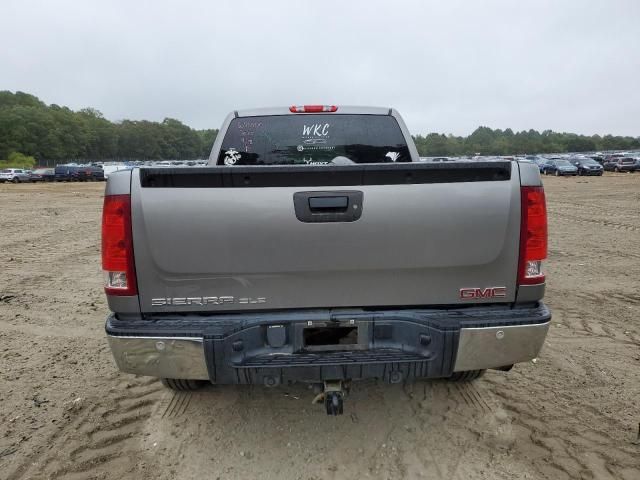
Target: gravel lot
[[65, 412]]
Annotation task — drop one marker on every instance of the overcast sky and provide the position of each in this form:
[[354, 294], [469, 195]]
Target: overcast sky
[[447, 66]]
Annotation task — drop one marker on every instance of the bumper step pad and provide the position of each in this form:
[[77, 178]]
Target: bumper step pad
[[331, 358]]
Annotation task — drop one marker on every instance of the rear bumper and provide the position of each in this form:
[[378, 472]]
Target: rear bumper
[[269, 347]]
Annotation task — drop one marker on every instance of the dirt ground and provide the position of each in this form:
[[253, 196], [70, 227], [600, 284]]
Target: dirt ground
[[66, 413]]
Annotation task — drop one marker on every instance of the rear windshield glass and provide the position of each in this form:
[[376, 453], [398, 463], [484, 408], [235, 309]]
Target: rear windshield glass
[[313, 140], [563, 163]]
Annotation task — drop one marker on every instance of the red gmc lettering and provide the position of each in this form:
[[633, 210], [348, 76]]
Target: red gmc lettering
[[489, 292]]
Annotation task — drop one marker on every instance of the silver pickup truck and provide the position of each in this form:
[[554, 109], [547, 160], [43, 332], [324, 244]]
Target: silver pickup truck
[[315, 247]]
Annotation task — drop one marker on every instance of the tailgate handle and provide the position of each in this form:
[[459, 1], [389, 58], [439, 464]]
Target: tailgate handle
[[319, 204], [335, 206]]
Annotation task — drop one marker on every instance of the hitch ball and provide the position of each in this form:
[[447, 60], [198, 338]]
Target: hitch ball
[[333, 403], [334, 392]]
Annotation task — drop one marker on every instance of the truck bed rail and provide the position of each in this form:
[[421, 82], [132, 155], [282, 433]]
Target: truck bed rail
[[325, 175]]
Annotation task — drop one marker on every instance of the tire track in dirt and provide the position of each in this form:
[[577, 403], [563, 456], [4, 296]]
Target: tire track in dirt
[[602, 253], [47, 258], [597, 210], [103, 434], [591, 221], [568, 443], [446, 417], [38, 242], [582, 322], [177, 405]]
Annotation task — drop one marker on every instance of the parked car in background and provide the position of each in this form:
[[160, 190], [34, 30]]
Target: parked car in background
[[620, 164], [539, 161], [15, 175], [43, 175], [559, 167], [90, 174], [97, 174], [66, 173], [587, 166], [611, 158]]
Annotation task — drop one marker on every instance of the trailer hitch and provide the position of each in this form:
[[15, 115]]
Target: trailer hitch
[[333, 395]]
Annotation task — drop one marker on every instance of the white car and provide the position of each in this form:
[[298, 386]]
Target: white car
[[15, 175]]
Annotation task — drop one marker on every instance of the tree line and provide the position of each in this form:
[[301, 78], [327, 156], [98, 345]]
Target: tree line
[[486, 141], [58, 134]]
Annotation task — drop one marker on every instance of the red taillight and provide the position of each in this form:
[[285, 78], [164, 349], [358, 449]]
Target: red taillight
[[533, 236], [117, 246], [313, 108]]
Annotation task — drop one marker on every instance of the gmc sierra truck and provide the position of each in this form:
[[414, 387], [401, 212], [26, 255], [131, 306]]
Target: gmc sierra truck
[[315, 247]]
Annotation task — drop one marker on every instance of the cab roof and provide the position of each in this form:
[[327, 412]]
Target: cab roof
[[341, 110]]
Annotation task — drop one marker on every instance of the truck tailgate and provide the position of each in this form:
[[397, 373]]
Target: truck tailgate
[[233, 239]]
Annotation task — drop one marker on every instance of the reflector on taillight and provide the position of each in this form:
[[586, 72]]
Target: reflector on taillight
[[313, 108], [533, 236], [117, 246]]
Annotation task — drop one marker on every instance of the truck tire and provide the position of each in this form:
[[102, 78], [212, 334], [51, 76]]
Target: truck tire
[[466, 376], [182, 385]]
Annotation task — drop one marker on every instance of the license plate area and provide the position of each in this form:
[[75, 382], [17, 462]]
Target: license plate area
[[334, 336]]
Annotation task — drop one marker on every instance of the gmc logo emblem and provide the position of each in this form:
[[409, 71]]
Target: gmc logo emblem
[[489, 292]]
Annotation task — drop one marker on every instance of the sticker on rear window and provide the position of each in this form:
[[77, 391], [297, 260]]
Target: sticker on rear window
[[314, 141], [231, 156], [393, 156], [316, 130], [310, 161]]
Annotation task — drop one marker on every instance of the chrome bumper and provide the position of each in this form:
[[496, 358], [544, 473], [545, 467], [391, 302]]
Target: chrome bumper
[[184, 357], [492, 347], [163, 357]]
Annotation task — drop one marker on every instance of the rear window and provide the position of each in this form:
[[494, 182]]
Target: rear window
[[313, 140]]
